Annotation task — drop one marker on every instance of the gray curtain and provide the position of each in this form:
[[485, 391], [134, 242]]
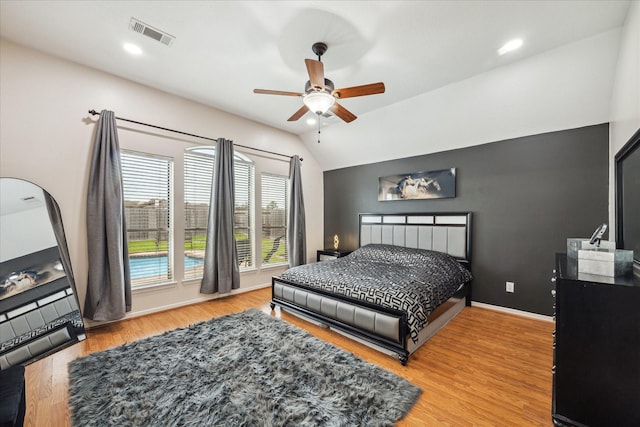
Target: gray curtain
[[109, 284], [58, 230], [296, 233], [221, 272]]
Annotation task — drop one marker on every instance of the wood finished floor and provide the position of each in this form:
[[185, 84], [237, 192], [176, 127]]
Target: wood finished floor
[[484, 368]]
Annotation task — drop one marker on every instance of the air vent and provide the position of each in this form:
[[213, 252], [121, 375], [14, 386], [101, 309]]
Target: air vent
[[149, 31], [30, 200]]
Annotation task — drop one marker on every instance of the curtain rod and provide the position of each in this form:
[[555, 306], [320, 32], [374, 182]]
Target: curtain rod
[[95, 113]]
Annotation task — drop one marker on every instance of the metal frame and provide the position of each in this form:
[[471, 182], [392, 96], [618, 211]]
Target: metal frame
[[625, 152], [398, 346]]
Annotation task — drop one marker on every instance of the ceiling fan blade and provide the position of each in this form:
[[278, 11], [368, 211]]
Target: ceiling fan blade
[[276, 92], [350, 92], [316, 73], [298, 113], [343, 113]]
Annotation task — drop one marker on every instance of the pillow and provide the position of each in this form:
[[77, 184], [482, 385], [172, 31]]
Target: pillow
[[412, 257]]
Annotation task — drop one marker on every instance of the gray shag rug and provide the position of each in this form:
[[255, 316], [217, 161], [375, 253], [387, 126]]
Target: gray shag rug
[[244, 369]]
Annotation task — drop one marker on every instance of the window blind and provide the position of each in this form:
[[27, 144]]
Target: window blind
[[243, 215], [147, 182], [274, 218], [198, 171]]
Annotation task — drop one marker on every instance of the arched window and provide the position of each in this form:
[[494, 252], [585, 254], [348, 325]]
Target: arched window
[[275, 206], [198, 171]]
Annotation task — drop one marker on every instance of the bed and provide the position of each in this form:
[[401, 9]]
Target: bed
[[410, 275]]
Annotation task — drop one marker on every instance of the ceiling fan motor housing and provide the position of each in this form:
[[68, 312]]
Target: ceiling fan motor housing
[[328, 87]]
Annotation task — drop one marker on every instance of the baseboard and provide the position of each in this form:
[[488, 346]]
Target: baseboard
[[513, 311], [89, 324]]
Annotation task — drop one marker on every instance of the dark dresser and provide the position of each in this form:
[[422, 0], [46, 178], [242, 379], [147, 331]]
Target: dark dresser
[[596, 357]]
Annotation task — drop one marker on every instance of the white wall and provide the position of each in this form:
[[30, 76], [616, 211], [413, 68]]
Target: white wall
[[46, 136], [625, 98], [25, 232], [564, 88]]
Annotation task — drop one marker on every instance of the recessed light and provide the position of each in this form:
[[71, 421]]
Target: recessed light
[[132, 49], [510, 46], [311, 121]]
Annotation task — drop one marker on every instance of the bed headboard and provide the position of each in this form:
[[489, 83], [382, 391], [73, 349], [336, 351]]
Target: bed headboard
[[443, 232]]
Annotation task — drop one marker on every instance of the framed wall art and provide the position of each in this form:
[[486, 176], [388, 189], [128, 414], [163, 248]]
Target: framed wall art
[[437, 184], [26, 272]]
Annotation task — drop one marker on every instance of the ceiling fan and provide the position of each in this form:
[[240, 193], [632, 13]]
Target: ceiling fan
[[320, 94]]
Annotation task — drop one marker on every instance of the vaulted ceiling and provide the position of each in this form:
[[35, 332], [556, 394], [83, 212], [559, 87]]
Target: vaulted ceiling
[[224, 49]]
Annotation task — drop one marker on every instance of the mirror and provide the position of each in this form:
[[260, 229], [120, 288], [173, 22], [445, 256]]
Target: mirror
[[39, 309], [628, 198]]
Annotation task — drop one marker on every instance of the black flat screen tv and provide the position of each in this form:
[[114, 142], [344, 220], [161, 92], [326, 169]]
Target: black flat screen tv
[[627, 163]]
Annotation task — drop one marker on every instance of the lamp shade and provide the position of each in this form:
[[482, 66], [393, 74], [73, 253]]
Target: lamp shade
[[318, 102]]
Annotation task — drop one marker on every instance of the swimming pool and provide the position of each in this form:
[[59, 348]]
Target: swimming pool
[[153, 266]]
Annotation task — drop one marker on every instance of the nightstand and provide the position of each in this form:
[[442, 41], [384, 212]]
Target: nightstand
[[327, 254]]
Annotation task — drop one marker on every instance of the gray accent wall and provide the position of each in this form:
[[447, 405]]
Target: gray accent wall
[[527, 196]]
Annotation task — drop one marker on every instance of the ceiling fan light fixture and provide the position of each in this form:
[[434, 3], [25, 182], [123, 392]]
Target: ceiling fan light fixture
[[318, 102]]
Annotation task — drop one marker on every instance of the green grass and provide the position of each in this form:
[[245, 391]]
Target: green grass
[[279, 256], [196, 243], [199, 243], [140, 246]]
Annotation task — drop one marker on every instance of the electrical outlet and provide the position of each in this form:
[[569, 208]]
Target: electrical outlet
[[510, 287]]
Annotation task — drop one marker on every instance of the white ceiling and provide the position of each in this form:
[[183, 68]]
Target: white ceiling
[[17, 195], [225, 49]]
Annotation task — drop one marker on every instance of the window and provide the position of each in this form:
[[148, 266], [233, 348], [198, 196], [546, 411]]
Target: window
[[274, 219], [146, 181], [243, 216], [198, 170]]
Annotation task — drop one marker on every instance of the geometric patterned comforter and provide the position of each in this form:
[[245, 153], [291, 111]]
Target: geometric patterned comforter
[[415, 281]]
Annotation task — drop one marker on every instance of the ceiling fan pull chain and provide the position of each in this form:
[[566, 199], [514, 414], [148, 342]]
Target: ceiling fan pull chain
[[318, 128]]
